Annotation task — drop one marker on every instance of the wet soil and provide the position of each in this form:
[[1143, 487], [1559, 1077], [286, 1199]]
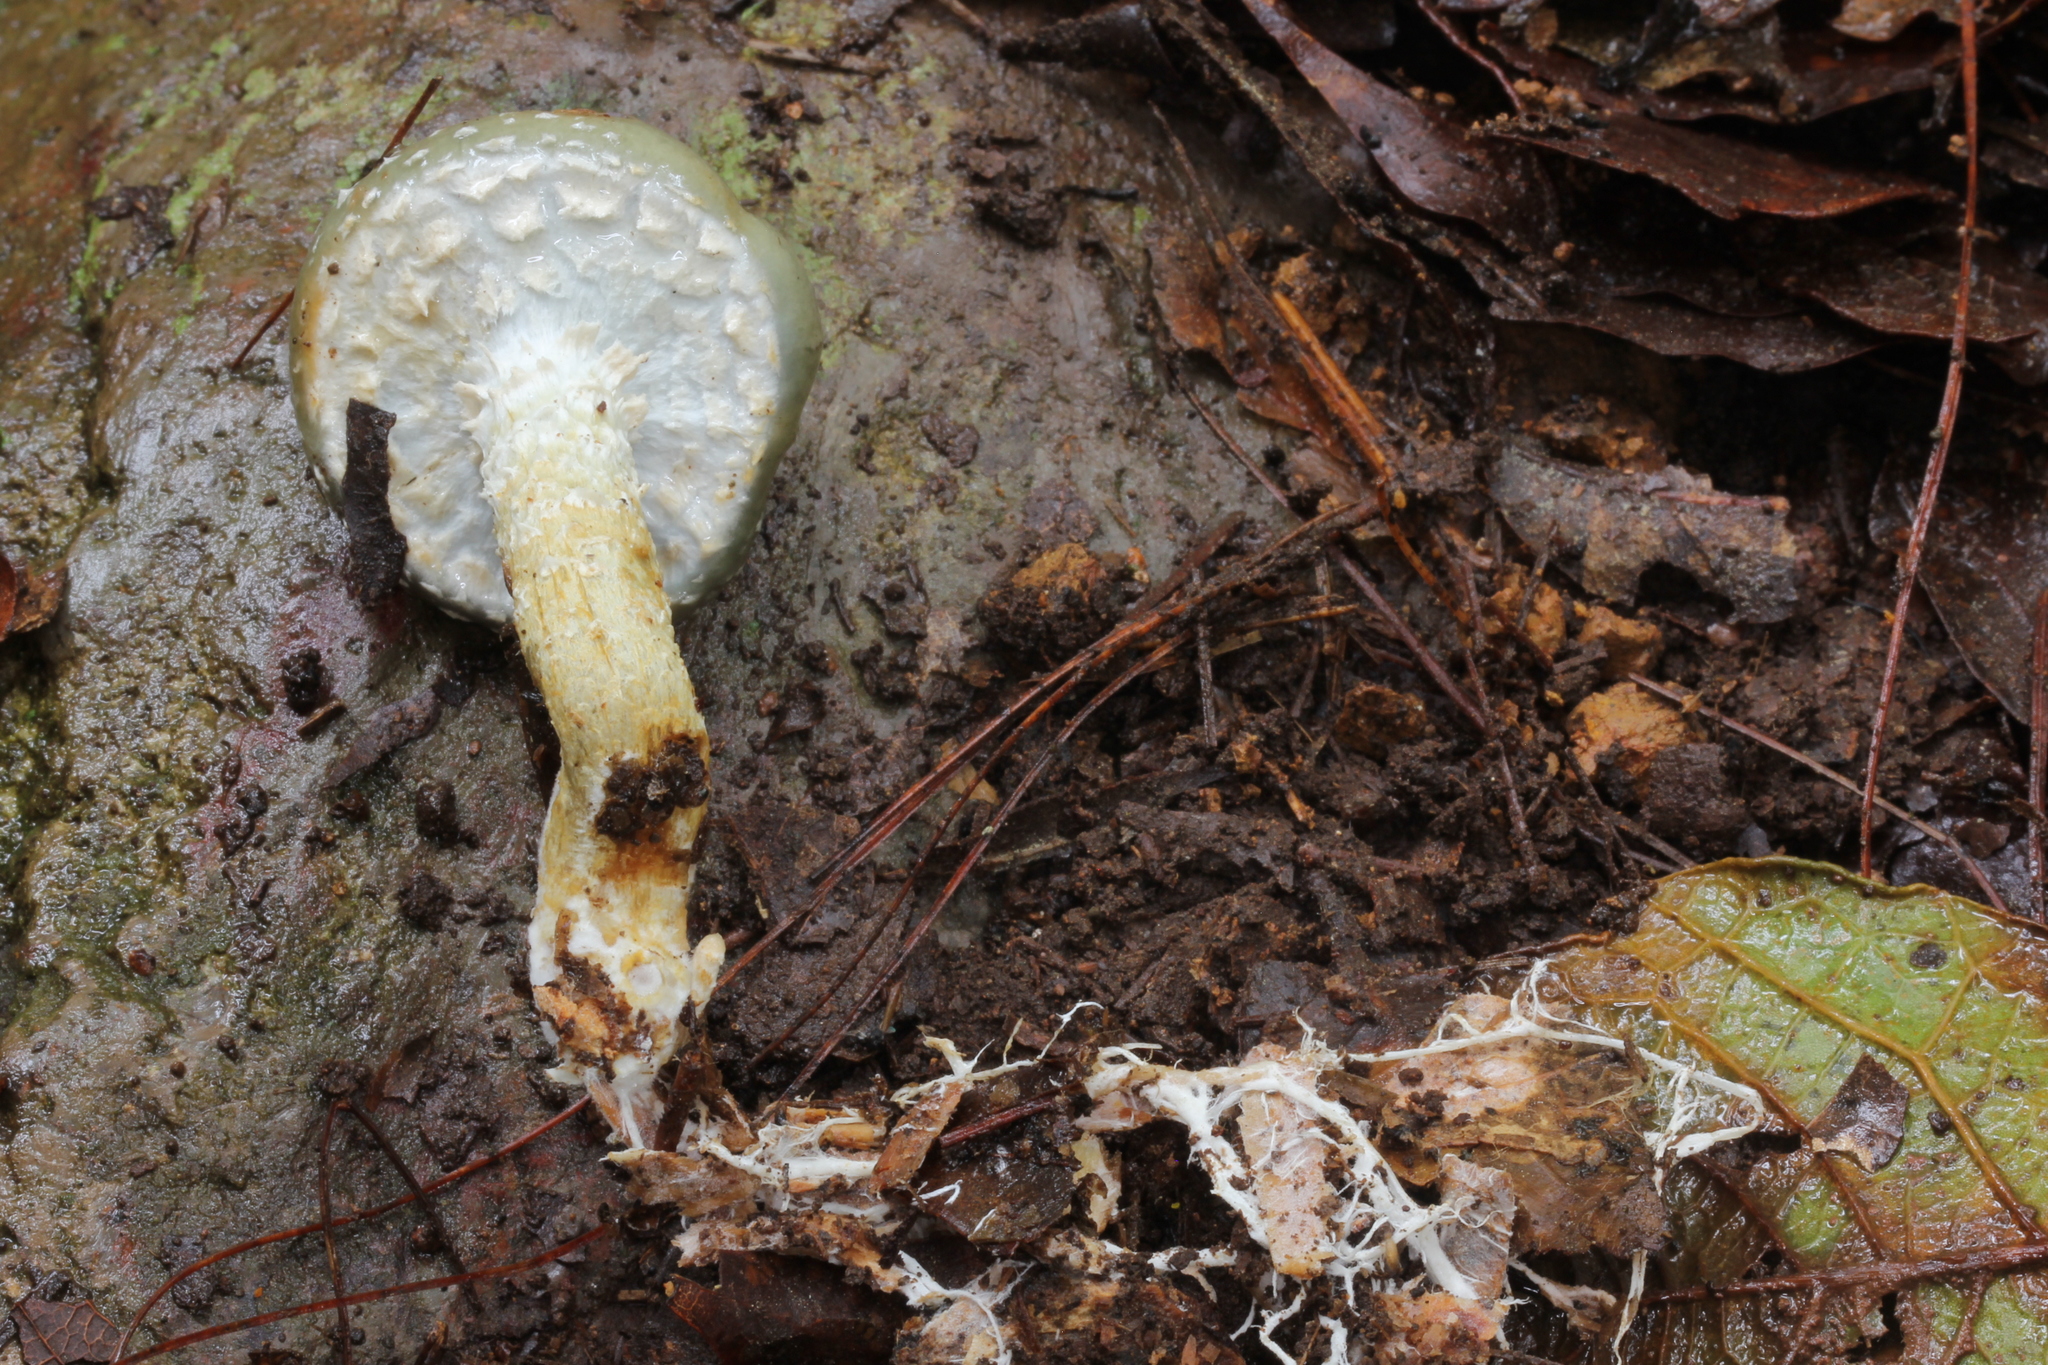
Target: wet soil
[[224, 868]]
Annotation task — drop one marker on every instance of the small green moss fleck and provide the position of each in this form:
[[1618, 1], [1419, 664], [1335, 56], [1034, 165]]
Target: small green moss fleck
[[259, 85], [117, 43], [180, 323]]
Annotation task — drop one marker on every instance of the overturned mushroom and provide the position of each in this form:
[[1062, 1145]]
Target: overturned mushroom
[[592, 359]]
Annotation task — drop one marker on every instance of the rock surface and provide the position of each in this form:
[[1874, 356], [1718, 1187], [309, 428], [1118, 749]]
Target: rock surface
[[193, 921]]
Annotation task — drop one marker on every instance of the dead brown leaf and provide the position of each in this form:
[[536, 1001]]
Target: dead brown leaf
[[1560, 1126], [63, 1333]]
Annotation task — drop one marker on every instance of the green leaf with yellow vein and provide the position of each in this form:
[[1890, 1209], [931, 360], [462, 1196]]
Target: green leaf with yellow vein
[[1787, 975]]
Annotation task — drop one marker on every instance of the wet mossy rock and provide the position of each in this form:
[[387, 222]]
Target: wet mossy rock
[[1807, 982], [191, 923]]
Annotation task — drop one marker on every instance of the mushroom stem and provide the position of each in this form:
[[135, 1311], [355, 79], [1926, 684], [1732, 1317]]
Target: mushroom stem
[[611, 965]]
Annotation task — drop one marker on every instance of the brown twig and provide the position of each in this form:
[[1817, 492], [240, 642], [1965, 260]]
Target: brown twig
[[1205, 675], [1591, 940], [192, 231], [1413, 643], [1679, 858], [958, 9], [272, 1238], [1814, 765], [1355, 418], [1945, 429], [1230, 443], [1518, 820], [555, 1253]]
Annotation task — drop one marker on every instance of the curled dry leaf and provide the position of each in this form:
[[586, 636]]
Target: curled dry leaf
[[1880, 21], [1428, 156], [1805, 76], [1786, 344], [1186, 286], [1866, 1120], [1907, 295], [1725, 177], [1795, 977]]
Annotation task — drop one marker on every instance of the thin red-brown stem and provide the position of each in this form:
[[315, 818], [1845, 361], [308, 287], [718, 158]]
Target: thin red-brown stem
[[888, 917], [888, 822], [355, 1300], [1003, 1118], [1413, 643], [428, 1208], [1230, 443], [348, 1353], [2020, 11], [1883, 1275], [1399, 627], [2037, 766], [1148, 616], [405, 124], [1945, 430], [1812, 764], [192, 232], [263, 328], [973, 856], [270, 1239], [277, 309]]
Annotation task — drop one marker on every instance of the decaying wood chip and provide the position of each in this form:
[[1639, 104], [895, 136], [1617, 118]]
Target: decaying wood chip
[[1284, 1150], [911, 1140], [695, 1185]]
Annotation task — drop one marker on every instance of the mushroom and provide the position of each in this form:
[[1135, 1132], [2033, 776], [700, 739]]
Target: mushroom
[[594, 359]]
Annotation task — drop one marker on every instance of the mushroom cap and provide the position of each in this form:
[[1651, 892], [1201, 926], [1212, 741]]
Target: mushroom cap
[[544, 239]]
